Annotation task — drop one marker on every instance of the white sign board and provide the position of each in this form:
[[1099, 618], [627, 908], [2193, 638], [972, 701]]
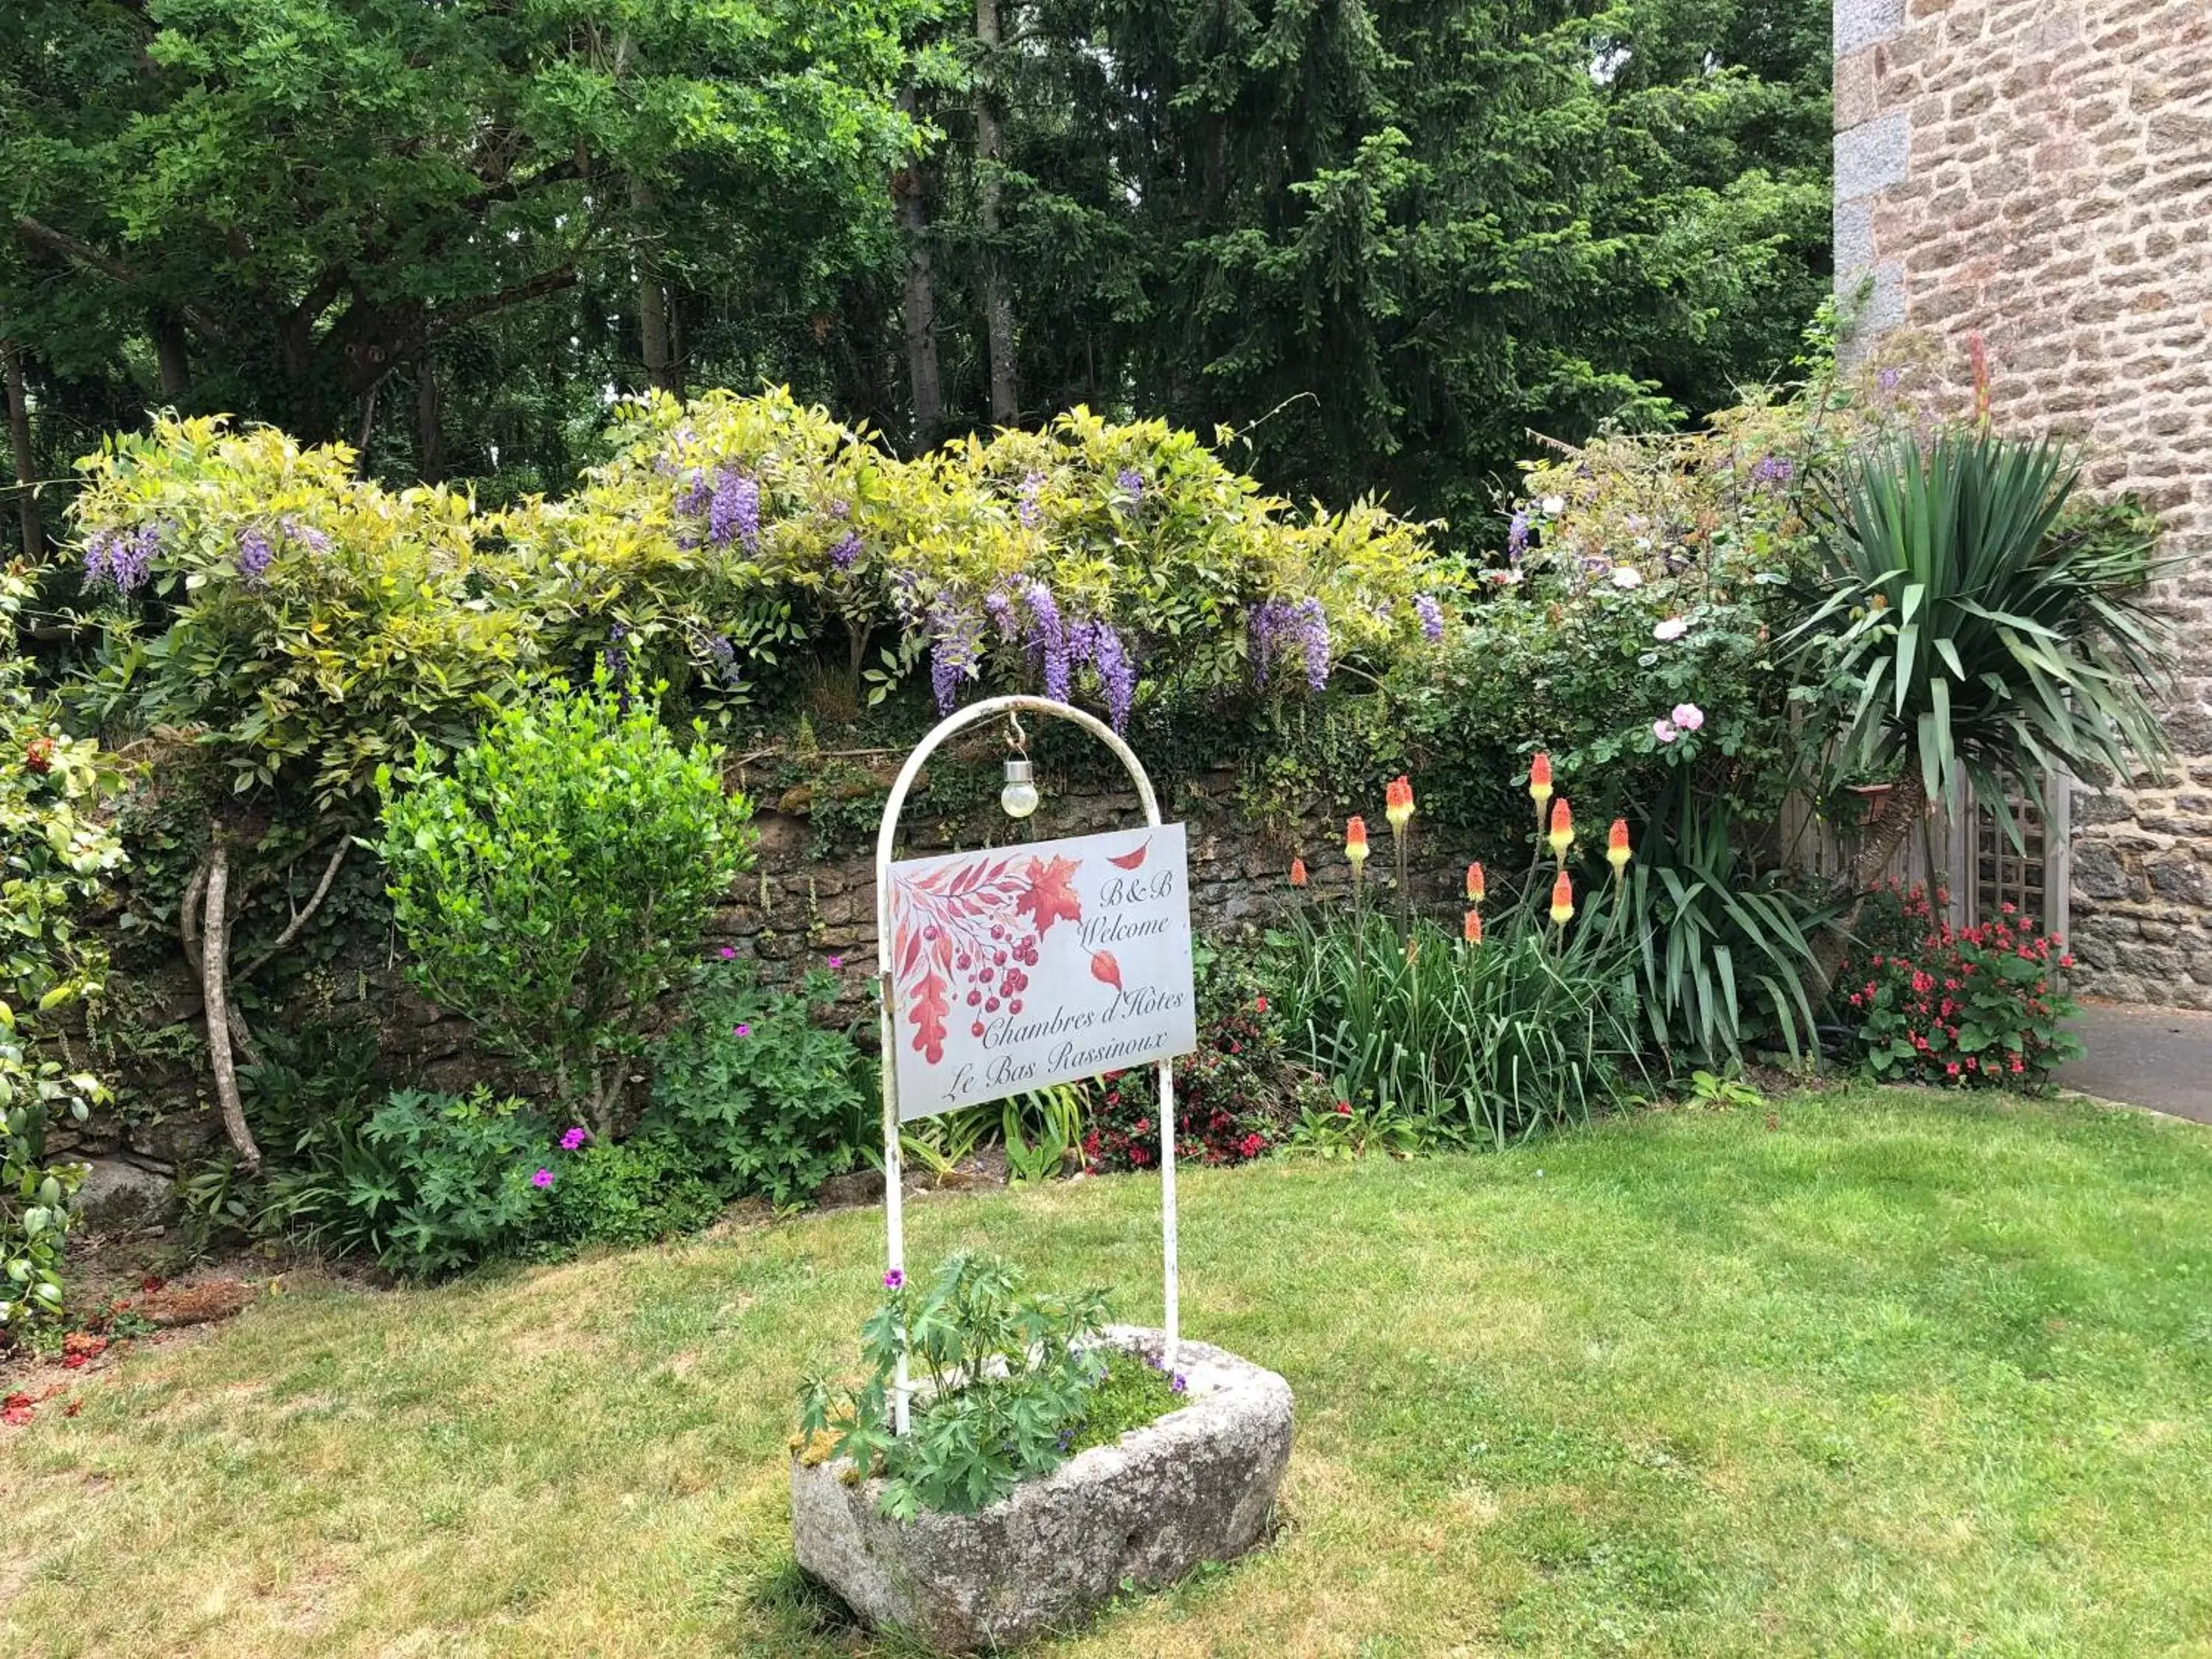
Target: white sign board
[[1015, 967]]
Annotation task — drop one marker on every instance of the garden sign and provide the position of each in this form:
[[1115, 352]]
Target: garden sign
[[1021, 966], [1012, 968]]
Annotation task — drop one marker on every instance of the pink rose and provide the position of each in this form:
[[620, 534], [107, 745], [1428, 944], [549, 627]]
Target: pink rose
[[1688, 717]]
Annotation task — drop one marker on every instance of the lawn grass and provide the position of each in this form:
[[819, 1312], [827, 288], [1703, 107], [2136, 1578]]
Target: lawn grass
[[1885, 1373]]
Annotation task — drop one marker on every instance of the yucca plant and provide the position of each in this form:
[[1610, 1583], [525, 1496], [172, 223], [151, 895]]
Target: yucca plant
[[1985, 641]]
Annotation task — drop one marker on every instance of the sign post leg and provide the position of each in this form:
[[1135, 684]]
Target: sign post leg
[[893, 1190], [1171, 1299]]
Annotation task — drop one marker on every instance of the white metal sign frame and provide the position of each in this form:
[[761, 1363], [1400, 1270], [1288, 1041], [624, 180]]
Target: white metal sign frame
[[894, 1206]]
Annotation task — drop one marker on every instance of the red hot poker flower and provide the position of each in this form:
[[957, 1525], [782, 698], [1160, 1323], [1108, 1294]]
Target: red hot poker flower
[[1399, 802], [1355, 841], [1471, 929], [1616, 847], [1563, 900], [1563, 828], [1474, 882], [1539, 783], [1297, 873]]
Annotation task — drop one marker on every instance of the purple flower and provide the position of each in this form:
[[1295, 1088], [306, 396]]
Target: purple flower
[[723, 655], [1516, 534], [1313, 639], [1130, 483], [1265, 622], [1031, 511], [254, 554], [306, 534], [1889, 378], [734, 511], [954, 655], [1774, 469], [1178, 1385], [692, 497], [1431, 614], [894, 1280], [1048, 638], [836, 965], [728, 953], [845, 551], [741, 1030], [122, 559], [573, 1138], [1001, 610], [543, 1178], [1115, 673], [1688, 717]]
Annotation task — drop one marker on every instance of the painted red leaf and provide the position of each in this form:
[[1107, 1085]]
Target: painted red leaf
[[1131, 861], [1105, 969], [1050, 894], [931, 1005]]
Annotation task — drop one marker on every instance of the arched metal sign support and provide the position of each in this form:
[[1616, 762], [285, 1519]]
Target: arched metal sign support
[[894, 1206]]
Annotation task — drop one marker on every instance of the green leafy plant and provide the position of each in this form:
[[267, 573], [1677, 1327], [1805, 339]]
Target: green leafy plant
[[1486, 1041], [428, 1183], [767, 1100], [1004, 1381], [56, 853], [1715, 1092], [1970, 637], [649, 1187], [549, 888], [1056, 1116], [1343, 1131], [1966, 1007]]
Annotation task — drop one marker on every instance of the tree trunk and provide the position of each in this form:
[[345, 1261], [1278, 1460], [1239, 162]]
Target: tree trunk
[[652, 296], [1905, 805], [214, 994], [19, 444], [168, 332], [925, 383], [429, 431], [998, 307]]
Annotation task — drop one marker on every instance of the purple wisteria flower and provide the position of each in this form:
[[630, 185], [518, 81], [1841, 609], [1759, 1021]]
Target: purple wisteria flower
[[1774, 469], [692, 496], [254, 555], [1264, 623], [306, 534], [1115, 672], [733, 514], [954, 653], [1048, 638], [1312, 625], [574, 1138], [1431, 614], [845, 551], [894, 1280], [122, 559], [616, 655], [1516, 534], [542, 1179], [1032, 509], [1130, 483]]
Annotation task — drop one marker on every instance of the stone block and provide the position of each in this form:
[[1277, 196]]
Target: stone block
[[1195, 1485]]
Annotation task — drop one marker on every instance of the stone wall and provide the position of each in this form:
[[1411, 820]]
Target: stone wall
[[795, 909], [2039, 172]]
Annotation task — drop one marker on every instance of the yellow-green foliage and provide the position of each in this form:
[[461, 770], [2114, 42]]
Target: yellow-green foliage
[[319, 623], [322, 622]]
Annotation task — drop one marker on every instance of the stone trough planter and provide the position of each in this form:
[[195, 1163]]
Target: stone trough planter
[[1196, 1485]]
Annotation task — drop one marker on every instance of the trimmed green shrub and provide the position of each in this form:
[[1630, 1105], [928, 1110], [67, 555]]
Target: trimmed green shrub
[[549, 887]]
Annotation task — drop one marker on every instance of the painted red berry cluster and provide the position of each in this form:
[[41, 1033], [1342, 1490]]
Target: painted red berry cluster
[[1961, 1005]]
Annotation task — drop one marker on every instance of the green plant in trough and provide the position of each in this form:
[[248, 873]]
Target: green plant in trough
[[549, 886], [1007, 1386]]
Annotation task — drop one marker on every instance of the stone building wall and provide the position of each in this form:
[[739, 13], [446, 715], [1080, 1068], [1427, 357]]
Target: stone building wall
[[2039, 172]]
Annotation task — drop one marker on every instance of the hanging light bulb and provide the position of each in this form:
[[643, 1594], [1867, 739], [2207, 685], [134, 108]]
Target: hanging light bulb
[[1019, 798]]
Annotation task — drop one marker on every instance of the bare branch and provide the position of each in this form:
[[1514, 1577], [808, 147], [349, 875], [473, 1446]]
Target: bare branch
[[314, 901]]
